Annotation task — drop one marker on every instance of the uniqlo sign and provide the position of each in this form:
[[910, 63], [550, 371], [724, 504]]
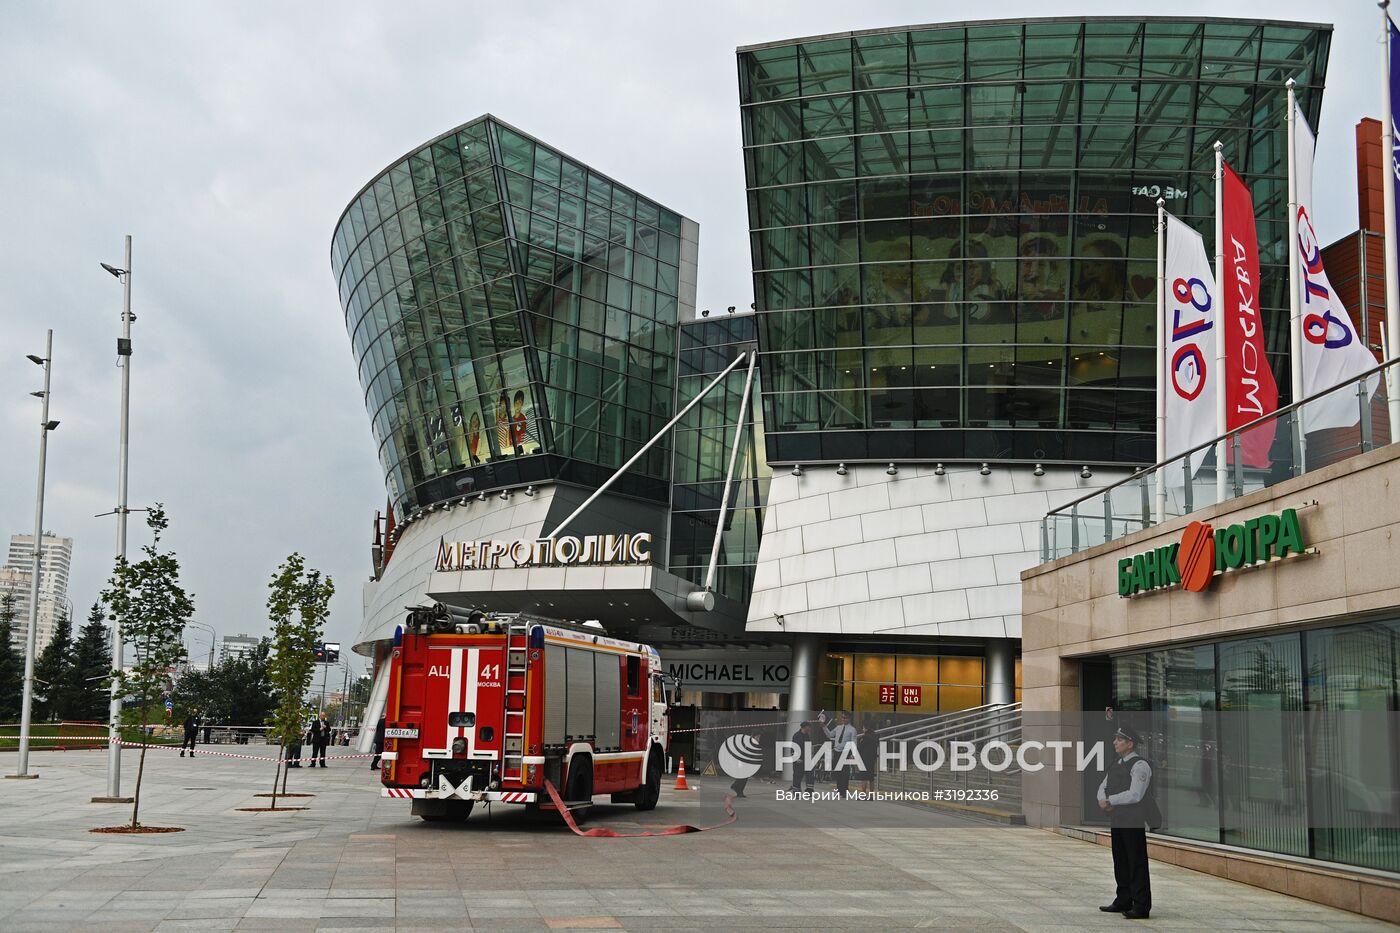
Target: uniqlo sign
[[911, 696], [887, 693]]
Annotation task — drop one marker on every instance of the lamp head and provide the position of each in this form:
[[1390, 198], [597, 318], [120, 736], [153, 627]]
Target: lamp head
[[115, 272], [36, 360]]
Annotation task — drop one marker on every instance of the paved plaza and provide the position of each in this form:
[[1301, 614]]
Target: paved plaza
[[355, 861]]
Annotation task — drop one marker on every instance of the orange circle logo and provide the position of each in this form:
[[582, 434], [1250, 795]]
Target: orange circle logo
[[1195, 559]]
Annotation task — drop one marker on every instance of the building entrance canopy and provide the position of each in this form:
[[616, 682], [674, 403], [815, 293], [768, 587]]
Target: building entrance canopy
[[622, 598]]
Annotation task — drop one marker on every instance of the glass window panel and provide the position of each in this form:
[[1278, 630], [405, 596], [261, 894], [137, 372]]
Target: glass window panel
[[830, 158], [993, 52], [825, 67], [1112, 49], [882, 60], [770, 74], [770, 123], [1261, 753], [828, 116], [880, 113], [1051, 50], [938, 151], [1352, 754], [832, 202], [1051, 103], [936, 56], [1230, 52], [1171, 50]]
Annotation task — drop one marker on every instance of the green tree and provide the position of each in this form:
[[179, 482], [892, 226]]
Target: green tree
[[91, 671], [151, 607], [52, 672], [236, 691], [247, 690], [297, 607], [11, 664]]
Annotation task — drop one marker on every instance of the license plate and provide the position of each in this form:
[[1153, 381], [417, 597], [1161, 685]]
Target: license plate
[[401, 733]]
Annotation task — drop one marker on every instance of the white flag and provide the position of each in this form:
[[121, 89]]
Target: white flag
[[1332, 351], [1187, 340]]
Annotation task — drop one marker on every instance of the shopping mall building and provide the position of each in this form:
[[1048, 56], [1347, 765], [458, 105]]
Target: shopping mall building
[[953, 247]]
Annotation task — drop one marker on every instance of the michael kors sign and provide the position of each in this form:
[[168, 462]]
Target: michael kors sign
[[564, 551]]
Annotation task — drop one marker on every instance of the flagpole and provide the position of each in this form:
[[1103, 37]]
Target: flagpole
[[1392, 274], [1295, 304], [1224, 319], [1161, 358]]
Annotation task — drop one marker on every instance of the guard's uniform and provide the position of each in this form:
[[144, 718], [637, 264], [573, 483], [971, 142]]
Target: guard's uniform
[[1127, 788]]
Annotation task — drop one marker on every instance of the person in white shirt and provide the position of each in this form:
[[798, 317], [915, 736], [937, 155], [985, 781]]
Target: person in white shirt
[[1126, 796], [842, 735]]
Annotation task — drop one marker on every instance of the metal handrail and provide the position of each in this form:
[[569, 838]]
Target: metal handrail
[[982, 725], [1273, 415], [915, 727]]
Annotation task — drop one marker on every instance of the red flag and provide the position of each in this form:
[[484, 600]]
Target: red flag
[[1250, 391]]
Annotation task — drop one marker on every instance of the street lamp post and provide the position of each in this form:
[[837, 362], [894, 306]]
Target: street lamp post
[[213, 639], [45, 426], [114, 713]]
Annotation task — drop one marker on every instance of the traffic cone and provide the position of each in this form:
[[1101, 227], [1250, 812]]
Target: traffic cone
[[680, 778]]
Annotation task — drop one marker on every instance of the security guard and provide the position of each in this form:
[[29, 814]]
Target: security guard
[[1126, 795]]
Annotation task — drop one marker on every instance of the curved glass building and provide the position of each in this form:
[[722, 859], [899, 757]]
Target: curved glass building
[[955, 272], [953, 225], [513, 315]]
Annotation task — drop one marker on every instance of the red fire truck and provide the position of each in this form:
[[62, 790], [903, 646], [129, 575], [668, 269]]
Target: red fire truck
[[486, 707]]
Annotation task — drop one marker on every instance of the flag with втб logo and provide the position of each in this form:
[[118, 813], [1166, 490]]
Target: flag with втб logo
[[1187, 342], [1250, 391], [1331, 349]]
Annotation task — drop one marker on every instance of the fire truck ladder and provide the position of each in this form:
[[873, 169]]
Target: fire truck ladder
[[517, 652]]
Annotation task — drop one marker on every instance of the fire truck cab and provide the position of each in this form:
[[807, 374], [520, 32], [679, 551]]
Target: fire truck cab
[[485, 707]]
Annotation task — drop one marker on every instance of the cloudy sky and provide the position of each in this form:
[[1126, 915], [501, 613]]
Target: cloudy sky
[[226, 139]]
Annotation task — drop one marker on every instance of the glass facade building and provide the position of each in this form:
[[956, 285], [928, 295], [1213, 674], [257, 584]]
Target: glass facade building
[[513, 315], [953, 226], [703, 442], [1281, 742]]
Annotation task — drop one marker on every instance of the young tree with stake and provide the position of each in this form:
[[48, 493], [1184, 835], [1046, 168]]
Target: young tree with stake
[[297, 607], [152, 608]]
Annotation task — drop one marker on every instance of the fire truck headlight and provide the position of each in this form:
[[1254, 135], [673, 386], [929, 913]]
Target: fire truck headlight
[[459, 746], [425, 779]]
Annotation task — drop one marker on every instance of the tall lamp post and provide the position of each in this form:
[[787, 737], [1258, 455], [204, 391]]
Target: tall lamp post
[[213, 639], [45, 426], [114, 713]]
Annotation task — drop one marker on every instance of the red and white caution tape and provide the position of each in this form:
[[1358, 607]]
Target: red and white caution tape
[[204, 751]]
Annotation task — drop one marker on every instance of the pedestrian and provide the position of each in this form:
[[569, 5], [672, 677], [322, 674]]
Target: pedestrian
[[740, 783], [868, 746], [843, 747], [802, 738], [294, 752], [208, 728], [318, 736], [192, 723], [378, 744], [1127, 796]]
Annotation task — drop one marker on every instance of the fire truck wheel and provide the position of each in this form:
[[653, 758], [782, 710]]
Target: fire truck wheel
[[650, 792], [580, 787]]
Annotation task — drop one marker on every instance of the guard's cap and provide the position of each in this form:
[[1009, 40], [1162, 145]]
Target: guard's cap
[[1128, 732]]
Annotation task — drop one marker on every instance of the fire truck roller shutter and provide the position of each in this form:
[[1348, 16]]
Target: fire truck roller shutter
[[578, 715], [608, 676], [555, 695]]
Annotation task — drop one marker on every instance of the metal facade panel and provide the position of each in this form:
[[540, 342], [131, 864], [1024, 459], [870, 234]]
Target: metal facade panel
[[555, 695], [608, 675], [578, 718]]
